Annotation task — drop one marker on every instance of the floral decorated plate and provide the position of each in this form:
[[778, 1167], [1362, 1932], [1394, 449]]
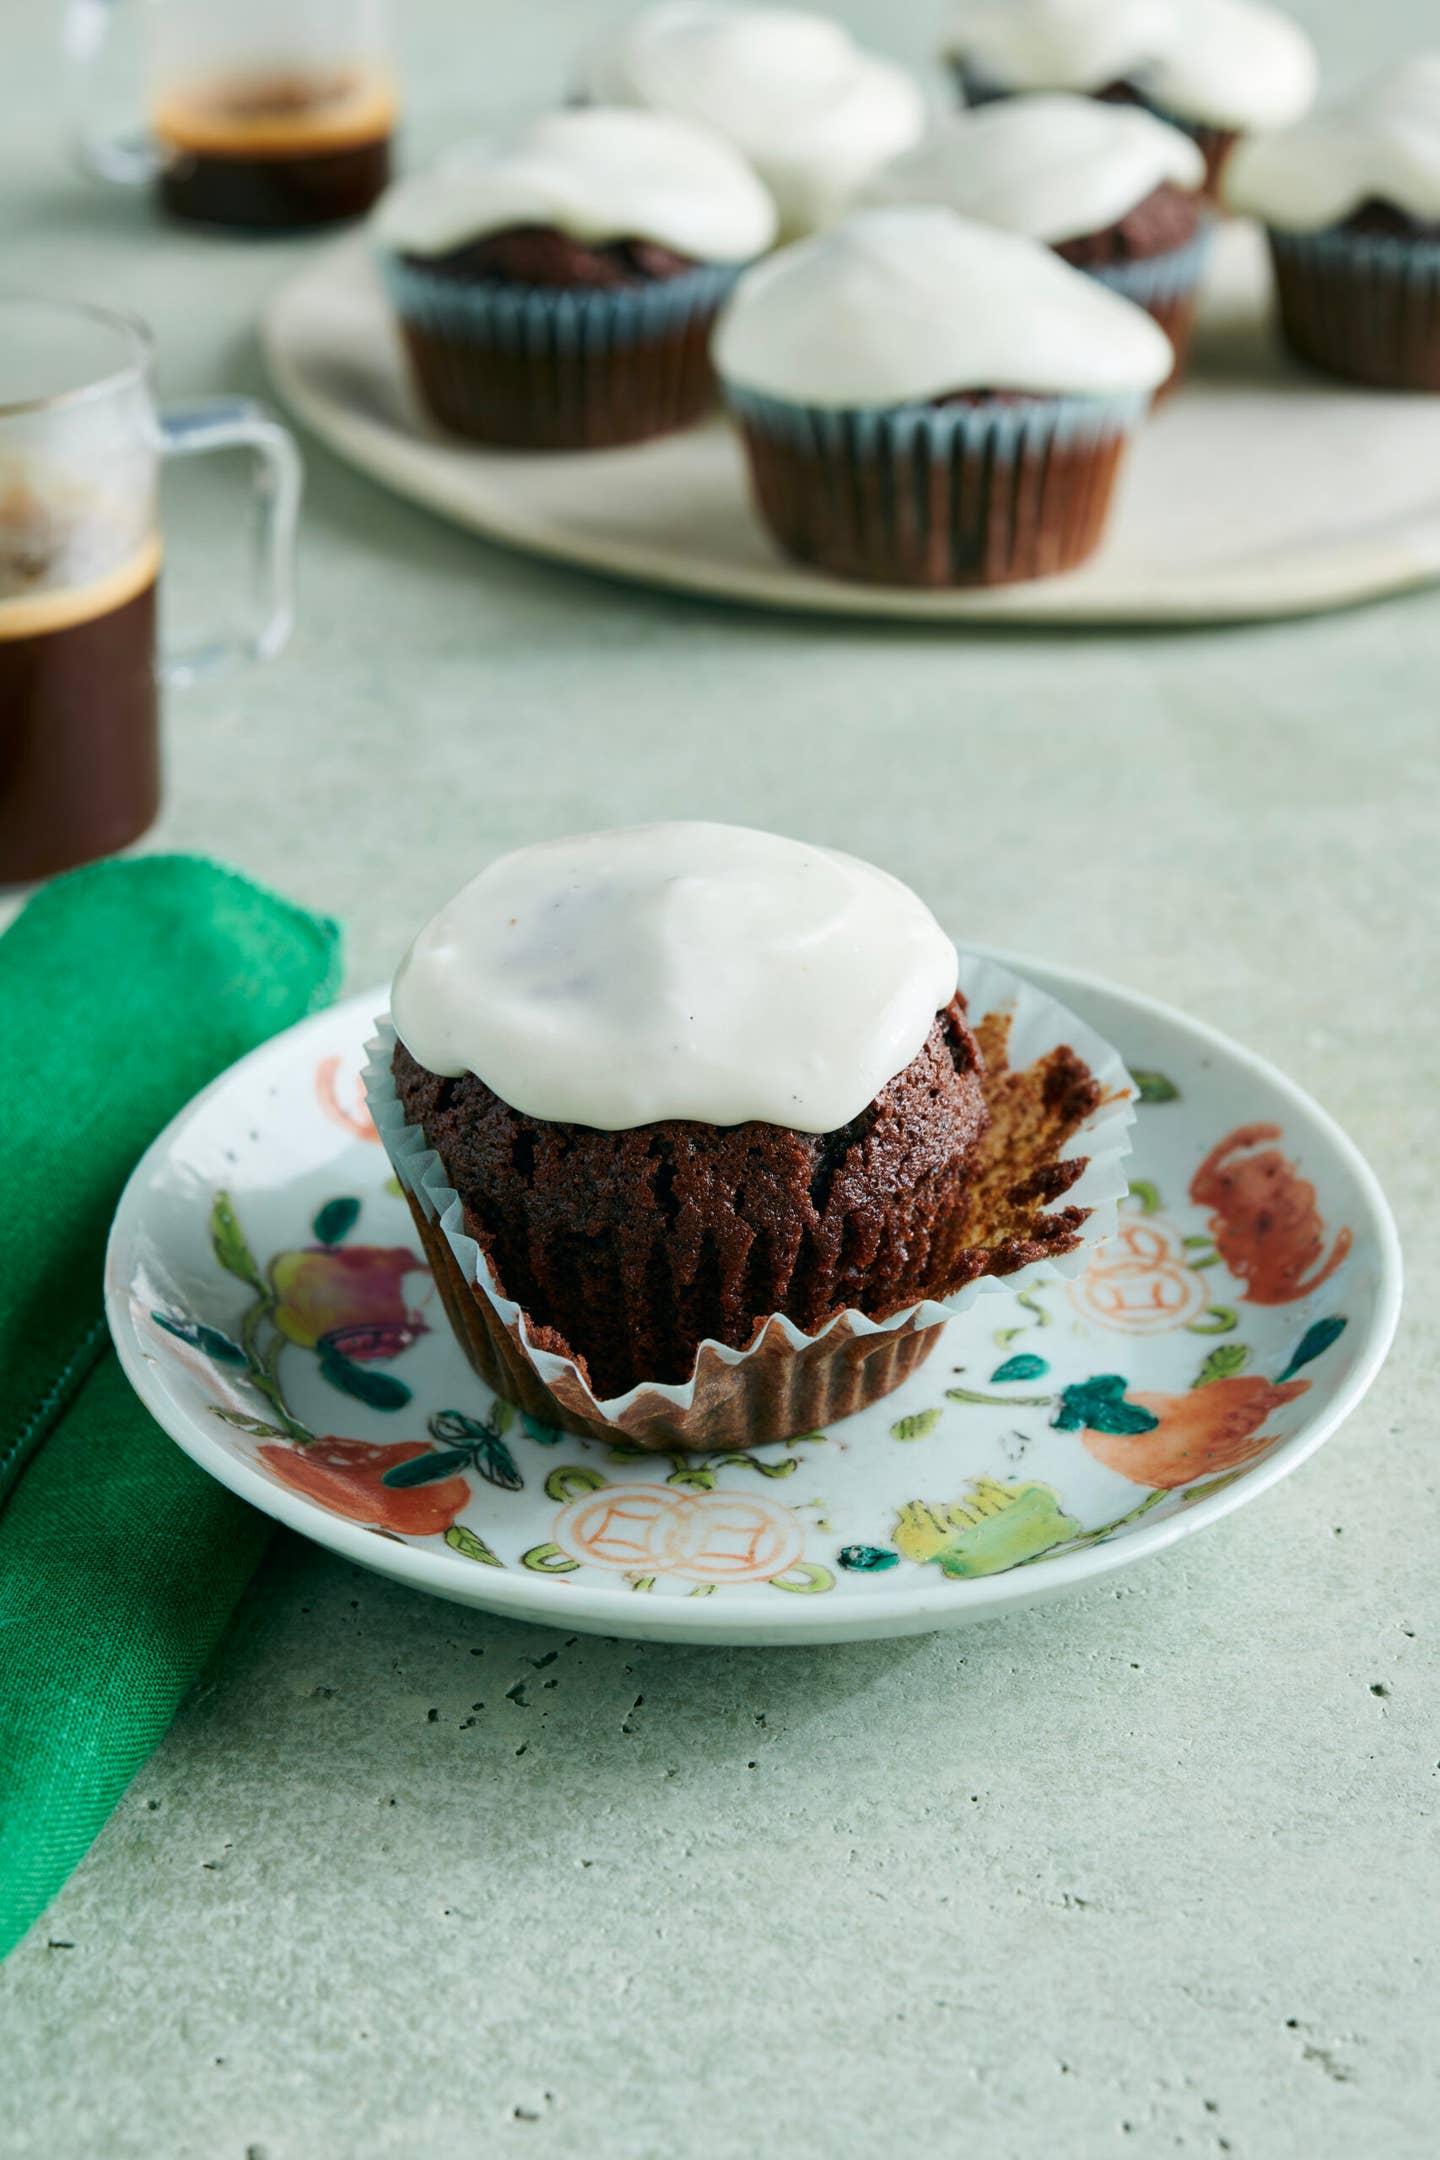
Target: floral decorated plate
[[269, 1305]]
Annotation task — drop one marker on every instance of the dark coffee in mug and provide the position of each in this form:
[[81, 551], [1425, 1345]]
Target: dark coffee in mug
[[279, 152], [79, 750]]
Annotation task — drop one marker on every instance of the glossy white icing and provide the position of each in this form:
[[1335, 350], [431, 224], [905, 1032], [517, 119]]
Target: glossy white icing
[[1225, 63], [597, 175], [1051, 166], [894, 305], [812, 111], [695, 971], [1382, 145]]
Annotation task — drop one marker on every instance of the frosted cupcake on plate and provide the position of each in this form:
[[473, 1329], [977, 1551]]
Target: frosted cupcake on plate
[[1351, 203], [1114, 191], [699, 1138], [1216, 68], [928, 401], [792, 91], [558, 292]]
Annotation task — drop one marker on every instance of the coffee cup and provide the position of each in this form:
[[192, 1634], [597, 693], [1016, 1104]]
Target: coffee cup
[[81, 441], [262, 116]]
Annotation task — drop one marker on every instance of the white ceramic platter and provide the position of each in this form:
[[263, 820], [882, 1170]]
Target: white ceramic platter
[[1259, 490], [267, 1302]]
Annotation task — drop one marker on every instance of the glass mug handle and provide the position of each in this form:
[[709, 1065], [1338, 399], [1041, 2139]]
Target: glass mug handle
[[125, 161], [241, 424]]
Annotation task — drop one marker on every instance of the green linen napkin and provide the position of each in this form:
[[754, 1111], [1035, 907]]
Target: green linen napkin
[[124, 988]]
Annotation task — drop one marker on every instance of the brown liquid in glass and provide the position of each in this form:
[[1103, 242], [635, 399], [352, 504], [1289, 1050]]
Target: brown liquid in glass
[[79, 746], [275, 154]]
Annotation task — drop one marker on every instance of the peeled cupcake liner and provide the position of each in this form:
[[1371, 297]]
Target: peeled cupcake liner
[[1167, 287], [1365, 306], [937, 495], [784, 1381], [539, 367]]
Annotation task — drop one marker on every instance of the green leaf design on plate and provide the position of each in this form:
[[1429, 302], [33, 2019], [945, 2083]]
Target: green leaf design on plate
[[502, 1414], [1025, 1366], [1154, 1087], [1224, 1361], [470, 1547], [377, 1390], [1217, 1320], [254, 1425], [1314, 1343], [335, 1221], [543, 1435], [1099, 1405], [868, 1559], [496, 1464], [427, 1469], [227, 1242], [914, 1427], [207, 1339]]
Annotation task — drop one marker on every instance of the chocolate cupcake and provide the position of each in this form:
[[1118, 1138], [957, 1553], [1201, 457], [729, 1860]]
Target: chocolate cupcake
[[1351, 205], [559, 294], [1111, 189], [1214, 68], [793, 92], [927, 401], [697, 1135]]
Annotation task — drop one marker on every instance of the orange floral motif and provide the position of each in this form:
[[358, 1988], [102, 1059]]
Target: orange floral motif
[[357, 1122], [350, 1296], [709, 1537], [1139, 1282], [1213, 1428], [1264, 1220], [346, 1478]]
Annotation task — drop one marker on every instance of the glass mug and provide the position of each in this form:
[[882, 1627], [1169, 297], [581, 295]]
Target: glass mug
[[80, 445], [266, 115]]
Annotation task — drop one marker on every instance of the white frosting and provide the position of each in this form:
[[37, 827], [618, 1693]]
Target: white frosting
[[1053, 167], [793, 91], [902, 304], [1226, 63], [677, 971], [597, 175], [1384, 144]]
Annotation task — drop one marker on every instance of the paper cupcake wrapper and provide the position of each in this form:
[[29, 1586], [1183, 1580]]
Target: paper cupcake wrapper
[[1362, 305], [1167, 287], [937, 495], [784, 1381], [536, 367]]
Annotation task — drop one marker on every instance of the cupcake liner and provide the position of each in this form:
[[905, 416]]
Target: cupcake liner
[[539, 368], [1167, 287], [784, 1381], [1362, 305], [937, 495]]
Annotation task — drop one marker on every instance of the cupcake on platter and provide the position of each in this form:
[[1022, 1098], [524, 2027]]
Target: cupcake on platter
[[1351, 203], [699, 1139], [558, 293], [1110, 188], [928, 401], [1216, 68], [792, 91]]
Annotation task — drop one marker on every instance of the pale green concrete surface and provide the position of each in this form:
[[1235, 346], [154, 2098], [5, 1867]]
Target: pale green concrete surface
[[1149, 1872]]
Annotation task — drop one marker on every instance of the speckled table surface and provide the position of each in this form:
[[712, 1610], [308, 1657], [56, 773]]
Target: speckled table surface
[[1150, 1871]]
